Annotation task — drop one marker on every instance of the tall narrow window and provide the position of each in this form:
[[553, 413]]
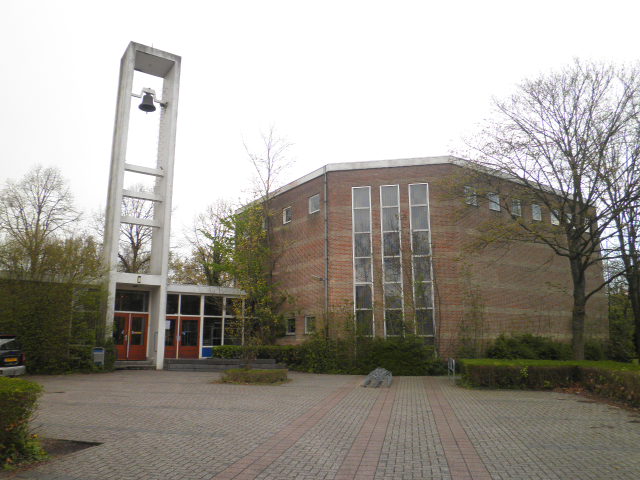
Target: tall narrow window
[[314, 203], [286, 215], [555, 217], [391, 259], [494, 201], [536, 212], [470, 197], [362, 262], [421, 259], [516, 207]]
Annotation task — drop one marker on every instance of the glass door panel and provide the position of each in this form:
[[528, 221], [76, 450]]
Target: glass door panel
[[189, 337], [170, 337]]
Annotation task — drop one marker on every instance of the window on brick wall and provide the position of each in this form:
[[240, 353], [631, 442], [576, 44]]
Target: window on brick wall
[[391, 259], [291, 326], [555, 217], [470, 197], [286, 215], [314, 203], [516, 207], [421, 259], [362, 259], [536, 212], [494, 201], [309, 324]]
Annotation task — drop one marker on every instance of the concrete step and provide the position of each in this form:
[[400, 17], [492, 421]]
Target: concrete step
[[216, 364], [135, 365], [217, 361]]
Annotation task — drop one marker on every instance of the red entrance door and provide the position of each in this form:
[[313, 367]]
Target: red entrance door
[[130, 335], [182, 337]]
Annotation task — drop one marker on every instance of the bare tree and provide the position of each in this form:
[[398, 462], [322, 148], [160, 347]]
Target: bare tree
[[268, 166], [555, 139], [622, 189], [33, 212], [134, 252]]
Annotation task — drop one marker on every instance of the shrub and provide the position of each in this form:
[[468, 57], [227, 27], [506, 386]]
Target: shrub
[[528, 346], [400, 355], [18, 401], [620, 385], [613, 380], [594, 350], [252, 375]]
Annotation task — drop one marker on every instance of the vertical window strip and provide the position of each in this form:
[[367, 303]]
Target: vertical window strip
[[362, 260], [392, 284], [421, 265]]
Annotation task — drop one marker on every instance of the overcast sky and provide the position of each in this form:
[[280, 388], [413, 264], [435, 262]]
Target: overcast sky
[[342, 81]]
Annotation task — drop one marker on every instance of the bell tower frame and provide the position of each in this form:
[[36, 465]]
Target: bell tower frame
[[165, 65]]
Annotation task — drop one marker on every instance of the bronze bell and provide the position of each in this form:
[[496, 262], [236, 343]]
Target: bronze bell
[[147, 103]]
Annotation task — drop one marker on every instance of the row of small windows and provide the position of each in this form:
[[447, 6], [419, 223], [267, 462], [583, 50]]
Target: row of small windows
[[309, 325], [314, 207], [471, 198]]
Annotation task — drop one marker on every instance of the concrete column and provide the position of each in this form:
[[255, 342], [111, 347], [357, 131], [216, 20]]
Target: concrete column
[[166, 66]]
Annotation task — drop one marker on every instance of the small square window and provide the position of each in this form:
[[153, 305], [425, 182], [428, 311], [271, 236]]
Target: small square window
[[494, 201], [555, 217], [314, 203], [286, 215], [309, 325], [291, 326], [536, 212], [470, 197], [516, 207]]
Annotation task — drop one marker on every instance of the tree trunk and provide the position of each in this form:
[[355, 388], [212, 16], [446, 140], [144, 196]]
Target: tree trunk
[[633, 280], [579, 309]]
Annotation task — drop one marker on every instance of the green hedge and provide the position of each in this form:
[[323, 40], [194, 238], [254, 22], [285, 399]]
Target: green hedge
[[254, 375], [618, 381], [401, 355], [51, 320], [18, 402]]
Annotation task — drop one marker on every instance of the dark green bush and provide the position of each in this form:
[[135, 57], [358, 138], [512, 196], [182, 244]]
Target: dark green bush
[[254, 375], [18, 402], [594, 350], [623, 386], [400, 355], [613, 380], [528, 346]]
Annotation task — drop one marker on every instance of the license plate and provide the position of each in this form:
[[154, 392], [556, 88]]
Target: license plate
[[11, 360]]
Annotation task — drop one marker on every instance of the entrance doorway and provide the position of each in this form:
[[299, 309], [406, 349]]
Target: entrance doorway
[[181, 338], [130, 335]]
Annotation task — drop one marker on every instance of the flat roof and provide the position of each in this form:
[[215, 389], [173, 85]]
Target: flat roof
[[369, 164]]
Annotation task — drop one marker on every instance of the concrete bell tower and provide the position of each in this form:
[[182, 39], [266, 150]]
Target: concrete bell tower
[[166, 66]]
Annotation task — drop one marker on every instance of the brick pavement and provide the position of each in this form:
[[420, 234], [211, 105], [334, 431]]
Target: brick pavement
[[179, 425]]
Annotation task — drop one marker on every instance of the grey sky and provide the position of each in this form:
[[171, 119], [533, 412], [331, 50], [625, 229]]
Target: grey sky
[[342, 81]]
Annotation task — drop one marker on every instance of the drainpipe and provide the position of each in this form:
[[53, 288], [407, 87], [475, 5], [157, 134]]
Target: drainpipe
[[326, 253]]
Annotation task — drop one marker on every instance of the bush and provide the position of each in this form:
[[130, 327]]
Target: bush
[[613, 380], [18, 402], [400, 355], [594, 350], [252, 375], [530, 347]]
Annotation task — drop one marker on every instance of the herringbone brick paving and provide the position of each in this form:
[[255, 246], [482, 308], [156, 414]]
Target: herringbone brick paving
[[179, 425]]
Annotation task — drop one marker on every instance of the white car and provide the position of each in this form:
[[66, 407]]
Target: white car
[[11, 357]]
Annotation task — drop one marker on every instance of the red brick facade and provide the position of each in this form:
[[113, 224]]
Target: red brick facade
[[478, 294]]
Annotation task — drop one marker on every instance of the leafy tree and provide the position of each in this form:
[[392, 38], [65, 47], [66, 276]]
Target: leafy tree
[[555, 138], [209, 242]]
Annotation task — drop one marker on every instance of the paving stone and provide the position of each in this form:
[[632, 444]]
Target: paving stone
[[179, 425]]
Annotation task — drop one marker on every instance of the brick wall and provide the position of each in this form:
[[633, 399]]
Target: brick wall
[[513, 287]]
